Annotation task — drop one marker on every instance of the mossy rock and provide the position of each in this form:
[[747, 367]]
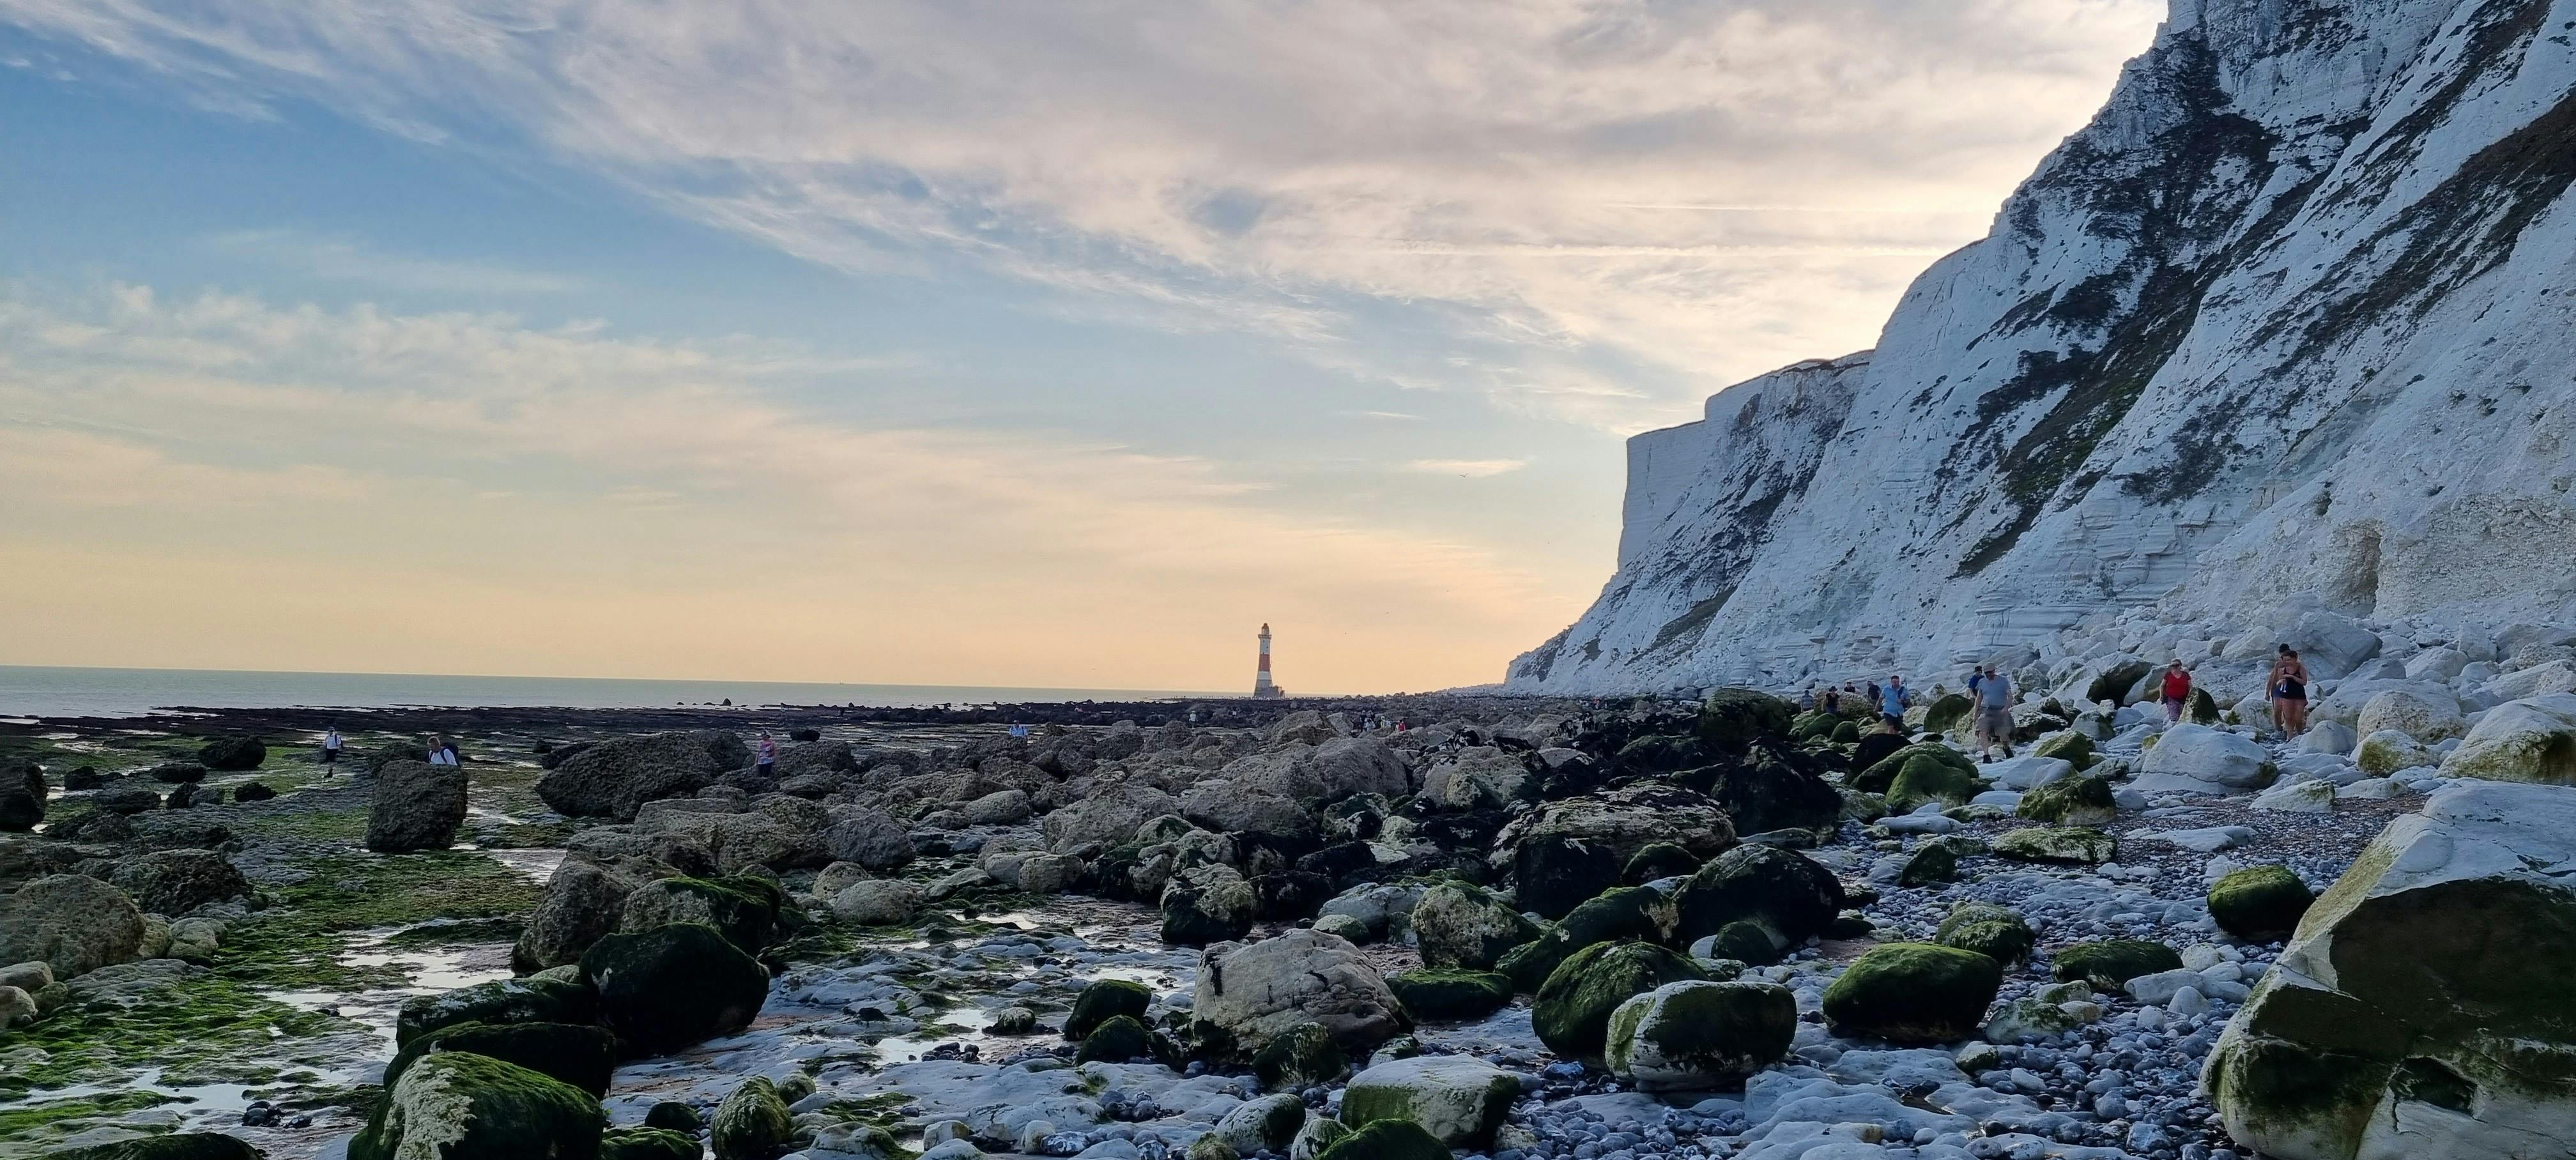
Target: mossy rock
[[1731, 720], [1812, 725], [1795, 894], [1104, 999], [1626, 913], [1880, 776], [648, 1144], [1926, 778], [1451, 995], [2058, 845], [1459, 1099], [1659, 753], [1931, 864], [2109, 964], [1572, 1010], [580, 1054], [1947, 712], [672, 1115], [2200, 708], [1913, 993], [2068, 746], [1846, 732], [1657, 860], [2082, 800], [456, 1105], [2114, 685], [1751, 941], [1465, 926], [673, 986], [1117, 1039], [1387, 1140], [1989, 930], [752, 1124], [176, 1146], [232, 754], [1319, 1134], [2259, 903], [1301, 1057], [742, 908], [501, 1001], [1701, 1034]]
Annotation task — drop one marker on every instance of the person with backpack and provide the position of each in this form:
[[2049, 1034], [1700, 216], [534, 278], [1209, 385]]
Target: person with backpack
[[331, 751], [2175, 690], [1891, 702]]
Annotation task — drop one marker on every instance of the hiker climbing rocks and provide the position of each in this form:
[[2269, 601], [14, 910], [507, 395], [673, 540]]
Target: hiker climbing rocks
[[1994, 712], [2176, 690]]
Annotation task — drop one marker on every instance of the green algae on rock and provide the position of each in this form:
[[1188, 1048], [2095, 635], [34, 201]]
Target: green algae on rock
[[1449, 995], [1572, 1010], [1459, 1100], [2259, 903], [2109, 964], [1693, 1035], [456, 1105], [1913, 993], [2423, 997], [672, 986], [1990, 930]]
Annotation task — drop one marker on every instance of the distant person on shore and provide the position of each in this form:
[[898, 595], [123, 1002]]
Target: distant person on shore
[[331, 751], [1833, 699], [2175, 690], [765, 762], [2289, 689], [1019, 730], [1994, 712], [441, 751], [1891, 702], [1807, 696], [1869, 694]]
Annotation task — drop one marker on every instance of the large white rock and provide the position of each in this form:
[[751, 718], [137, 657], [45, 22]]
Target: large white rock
[[1459, 1099], [1256, 991], [2333, 737], [2389, 750], [2199, 759], [2421, 1010], [2425, 714], [2440, 663], [2527, 740], [2026, 772], [2298, 797], [2538, 680]]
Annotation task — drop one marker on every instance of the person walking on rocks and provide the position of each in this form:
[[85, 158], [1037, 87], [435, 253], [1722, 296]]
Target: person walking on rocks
[[1891, 702], [2289, 689], [331, 751], [1994, 712], [441, 751], [766, 762], [2176, 690]]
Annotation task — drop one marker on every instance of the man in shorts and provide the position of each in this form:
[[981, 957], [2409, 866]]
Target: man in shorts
[[1994, 712]]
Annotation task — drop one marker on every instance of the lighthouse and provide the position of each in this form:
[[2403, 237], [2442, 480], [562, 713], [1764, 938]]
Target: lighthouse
[[1261, 686]]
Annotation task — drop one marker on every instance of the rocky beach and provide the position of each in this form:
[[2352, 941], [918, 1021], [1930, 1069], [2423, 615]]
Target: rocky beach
[[1512, 929]]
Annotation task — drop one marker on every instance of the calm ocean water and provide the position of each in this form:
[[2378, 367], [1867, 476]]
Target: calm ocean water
[[27, 691]]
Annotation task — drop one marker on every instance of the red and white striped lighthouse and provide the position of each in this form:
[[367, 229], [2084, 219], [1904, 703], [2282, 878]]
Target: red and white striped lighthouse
[[1261, 686]]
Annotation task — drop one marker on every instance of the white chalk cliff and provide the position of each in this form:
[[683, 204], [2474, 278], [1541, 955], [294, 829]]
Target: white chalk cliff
[[2291, 322]]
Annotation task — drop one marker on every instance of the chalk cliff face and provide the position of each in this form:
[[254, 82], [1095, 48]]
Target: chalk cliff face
[[2288, 324]]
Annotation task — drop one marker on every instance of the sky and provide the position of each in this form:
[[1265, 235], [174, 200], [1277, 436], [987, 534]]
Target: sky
[[938, 342]]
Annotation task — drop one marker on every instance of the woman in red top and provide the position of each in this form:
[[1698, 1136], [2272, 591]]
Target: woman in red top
[[2177, 689]]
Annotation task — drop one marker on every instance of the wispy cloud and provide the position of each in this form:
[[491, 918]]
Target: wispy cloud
[[348, 260], [481, 460], [1466, 468], [1701, 191]]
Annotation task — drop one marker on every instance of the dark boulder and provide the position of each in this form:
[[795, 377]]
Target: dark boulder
[[1731, 720], [580, 1054], [1795, 895], [22, 796], [233, 754], [174, 882], [177, 772], [417, 806], [673, 986], [1289, 895], [499, 1002], [252, 791], [614, 778]]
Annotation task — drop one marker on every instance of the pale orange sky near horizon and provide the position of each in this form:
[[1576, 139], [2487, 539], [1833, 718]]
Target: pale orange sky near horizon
[[932, 344]]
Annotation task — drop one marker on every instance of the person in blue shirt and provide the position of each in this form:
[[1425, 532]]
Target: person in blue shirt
[[1891, 702]]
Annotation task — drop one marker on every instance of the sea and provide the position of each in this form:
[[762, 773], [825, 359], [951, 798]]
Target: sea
[[30, 691]]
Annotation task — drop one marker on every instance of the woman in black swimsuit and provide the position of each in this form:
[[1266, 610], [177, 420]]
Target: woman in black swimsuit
[[2290, 692]]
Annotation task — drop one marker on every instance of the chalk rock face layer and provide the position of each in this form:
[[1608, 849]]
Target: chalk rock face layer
[[2262, 340], [2421, 1008]]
